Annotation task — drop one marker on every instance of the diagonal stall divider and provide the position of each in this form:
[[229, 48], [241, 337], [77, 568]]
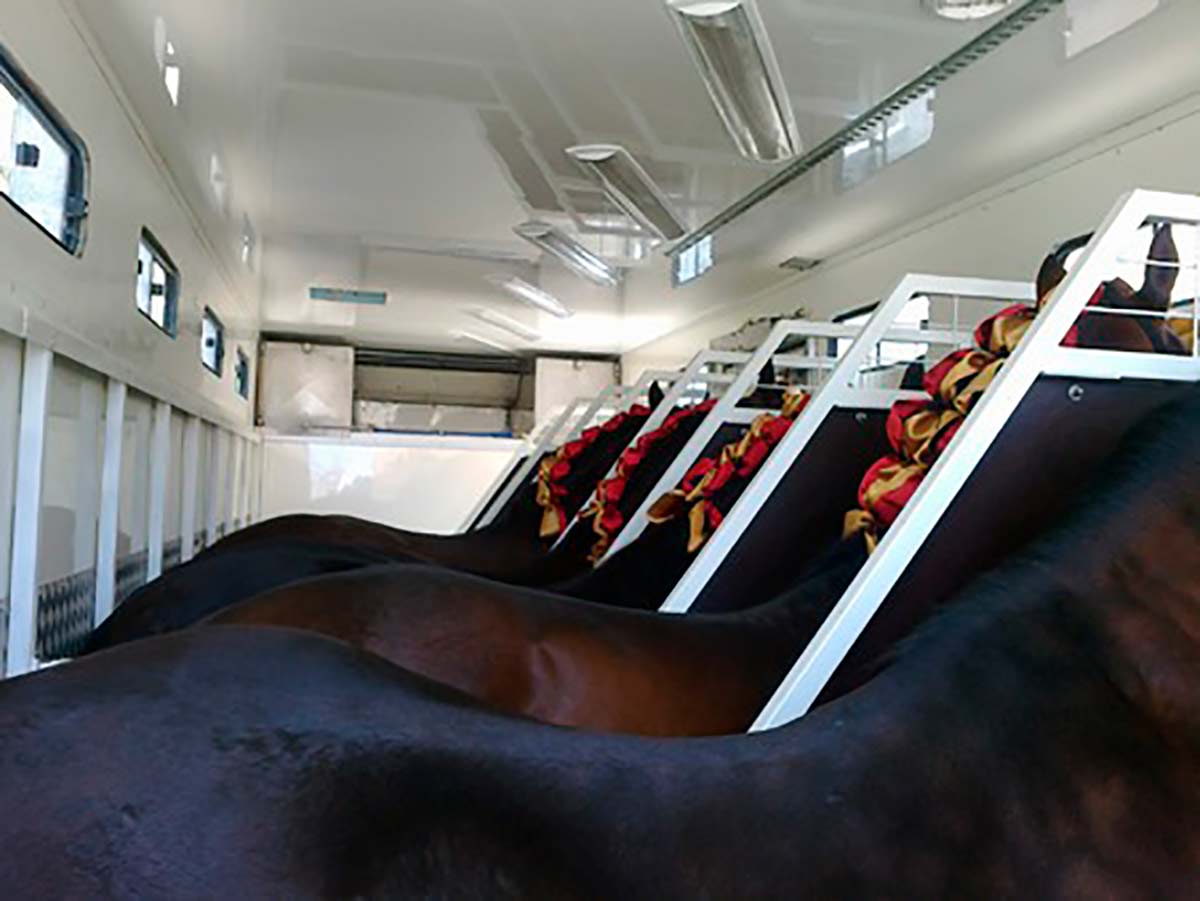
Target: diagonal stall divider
[[1041, 353]]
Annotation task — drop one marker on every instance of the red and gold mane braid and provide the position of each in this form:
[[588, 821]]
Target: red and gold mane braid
[[556, 466]]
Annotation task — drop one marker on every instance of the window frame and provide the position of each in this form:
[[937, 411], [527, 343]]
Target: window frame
[[17, 82], [170, 328], [219, 370]]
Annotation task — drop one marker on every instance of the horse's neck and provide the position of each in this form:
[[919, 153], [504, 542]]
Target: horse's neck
[[1137, 583]]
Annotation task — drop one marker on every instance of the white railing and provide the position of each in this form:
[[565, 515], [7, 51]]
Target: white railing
[[567, 426], [230, 486], [851, 384], [1040, 354]]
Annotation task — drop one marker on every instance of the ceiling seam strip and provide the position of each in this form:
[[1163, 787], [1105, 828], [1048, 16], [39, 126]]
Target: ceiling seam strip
[[963, 58]]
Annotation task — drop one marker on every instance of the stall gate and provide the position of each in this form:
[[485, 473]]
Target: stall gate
[[102, 489]]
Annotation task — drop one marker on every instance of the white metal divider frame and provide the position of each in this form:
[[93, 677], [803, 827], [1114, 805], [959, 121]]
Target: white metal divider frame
[[548, 438], [840, 391], [1040, 354], [110, 500], [566, 427], [728, 410], [31, 439], [680, 383]]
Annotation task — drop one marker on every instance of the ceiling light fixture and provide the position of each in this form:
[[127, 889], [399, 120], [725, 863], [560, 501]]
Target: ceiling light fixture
[[573, 255], [482, 340], [507, 323], [530, 294], [629, 186], [729, 44], [966, 10]]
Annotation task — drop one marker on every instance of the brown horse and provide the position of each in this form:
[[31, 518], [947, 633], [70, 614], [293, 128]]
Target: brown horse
[[507, 549], [568, 663], [1042, 737]]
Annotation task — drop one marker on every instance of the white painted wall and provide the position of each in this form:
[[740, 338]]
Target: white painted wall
[[558, 383], [424, 484], [1004, 231], [85, 307]]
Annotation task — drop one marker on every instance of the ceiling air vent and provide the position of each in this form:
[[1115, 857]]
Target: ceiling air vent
[[800, 264]]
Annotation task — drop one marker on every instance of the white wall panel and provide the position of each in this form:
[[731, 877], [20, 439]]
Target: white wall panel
[[71, 472], [422, 484], [84, 308], [174, 478], [135, 476]]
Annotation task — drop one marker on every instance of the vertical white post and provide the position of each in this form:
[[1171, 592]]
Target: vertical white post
[[31, 441], [256, 499], [213, 499], [110, 500], [189, 483], [231, 475], [87, 491], [156, 518]]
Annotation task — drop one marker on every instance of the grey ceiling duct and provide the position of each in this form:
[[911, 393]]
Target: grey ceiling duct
[[530, 294], [570, 252], [729, 43], [629, 186]]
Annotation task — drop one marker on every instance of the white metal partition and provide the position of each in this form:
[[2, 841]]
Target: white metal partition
[[85, 456], [1040, 354], [568, 426], [728, 410], [694, 380], [845, 388]]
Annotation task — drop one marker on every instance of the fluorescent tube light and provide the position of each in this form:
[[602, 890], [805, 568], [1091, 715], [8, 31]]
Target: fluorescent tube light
[[507, 323], [630, 187], [965, 10], [729, 44], [573, 255], [482, 340], [530, 294]]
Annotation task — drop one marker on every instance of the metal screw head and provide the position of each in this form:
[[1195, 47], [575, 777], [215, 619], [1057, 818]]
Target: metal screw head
[[1075, 393]]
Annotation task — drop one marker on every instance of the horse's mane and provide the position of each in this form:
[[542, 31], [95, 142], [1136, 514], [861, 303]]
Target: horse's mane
[[1152, 458]]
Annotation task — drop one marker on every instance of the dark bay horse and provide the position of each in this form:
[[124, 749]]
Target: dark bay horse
[[1041, 737], [568, 663], [213, 581], [506, 548]]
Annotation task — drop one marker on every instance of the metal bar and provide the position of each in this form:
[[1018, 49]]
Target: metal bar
[[1077, 362], [907, 535], [156, 518], [27, 501], [233, 462], [213, 498], [838, 392], [110, 499], [189, 484], [680, 384], [965, 56], [609, 394], [535, 455], [725, 411]]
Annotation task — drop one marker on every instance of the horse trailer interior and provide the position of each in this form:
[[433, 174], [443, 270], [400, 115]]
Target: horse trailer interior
[[671, 448]]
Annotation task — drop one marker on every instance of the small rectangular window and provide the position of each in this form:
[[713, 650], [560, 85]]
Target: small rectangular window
[[212, 343], [157, 284], [241, 374], [43, 164], [693, 262]]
